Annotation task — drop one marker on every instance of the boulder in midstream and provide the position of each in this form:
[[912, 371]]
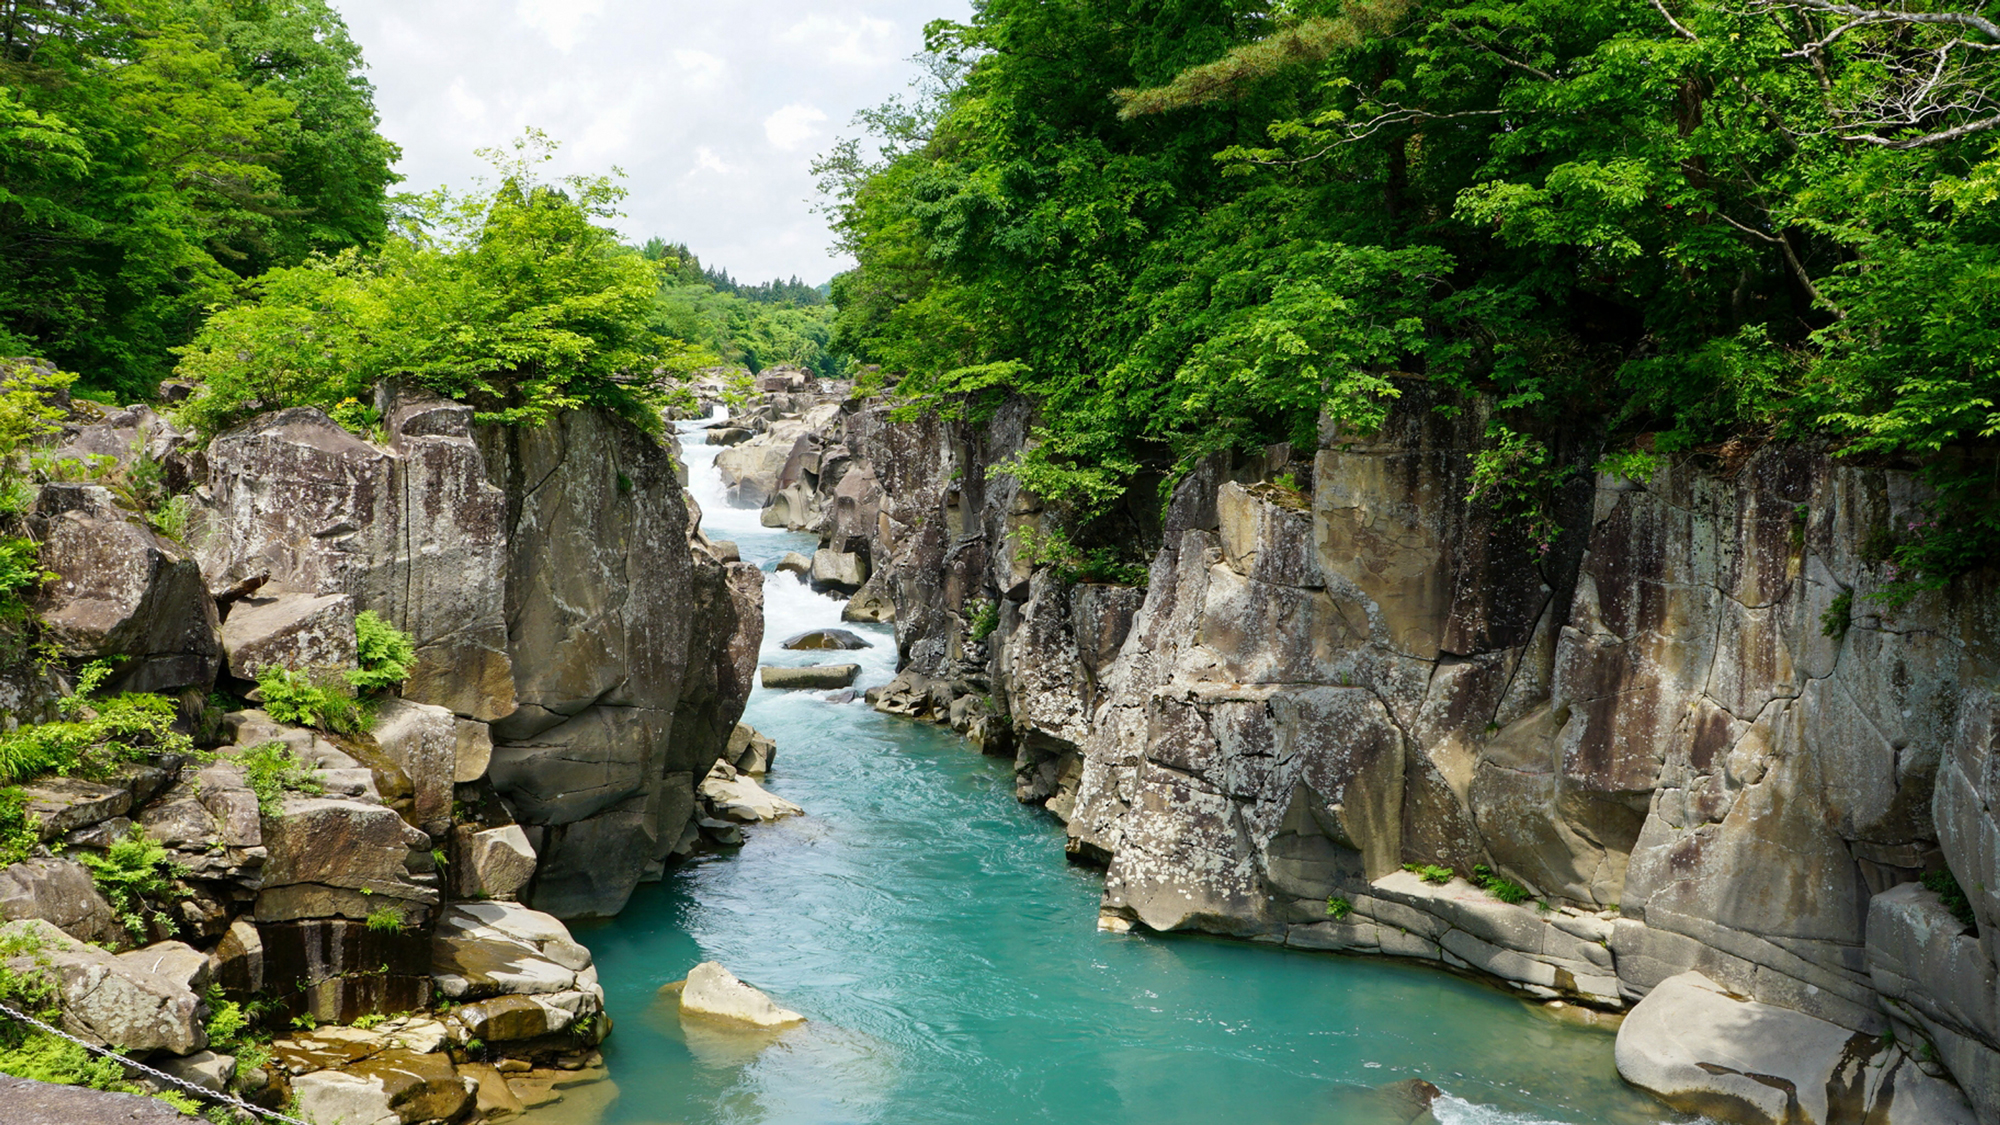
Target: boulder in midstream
[[810, 676], [712, 992], [840, 639]]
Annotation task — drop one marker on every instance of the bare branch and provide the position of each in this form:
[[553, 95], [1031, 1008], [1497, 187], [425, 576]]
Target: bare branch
[[1937, 138], [1977, 23], [1674, 23]]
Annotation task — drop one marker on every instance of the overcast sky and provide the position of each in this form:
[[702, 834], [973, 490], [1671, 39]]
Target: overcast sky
[[714, 110]]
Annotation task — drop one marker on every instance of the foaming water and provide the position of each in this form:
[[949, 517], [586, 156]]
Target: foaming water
[[949, 961]]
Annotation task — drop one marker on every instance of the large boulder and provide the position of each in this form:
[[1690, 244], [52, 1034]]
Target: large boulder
[[733, 796], [106, 998], [424, 740], [339, 857], [1700, 1049], [633, 654], [484, 950], [121, 589], [712, 992], [290, 629], [494, 863], [30, 1102], [61, 893], [842, 572]]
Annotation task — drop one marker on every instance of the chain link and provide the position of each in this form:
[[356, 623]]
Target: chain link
[[198, 1091]]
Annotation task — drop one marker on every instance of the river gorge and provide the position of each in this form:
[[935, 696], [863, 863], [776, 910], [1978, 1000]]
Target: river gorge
[[951, 964]]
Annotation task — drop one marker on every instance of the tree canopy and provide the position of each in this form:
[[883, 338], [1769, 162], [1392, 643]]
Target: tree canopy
[[155, 153], [1182, 225]]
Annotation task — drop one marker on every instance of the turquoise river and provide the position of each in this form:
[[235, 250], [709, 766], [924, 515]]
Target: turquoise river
[[951, 966]]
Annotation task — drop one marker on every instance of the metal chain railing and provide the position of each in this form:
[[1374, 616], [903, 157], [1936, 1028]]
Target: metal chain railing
[[198, 1091]]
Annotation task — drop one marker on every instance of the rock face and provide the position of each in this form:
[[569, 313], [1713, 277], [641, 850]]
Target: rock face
[[564, 619], [1680, 720], [711, 992], [613, 618]]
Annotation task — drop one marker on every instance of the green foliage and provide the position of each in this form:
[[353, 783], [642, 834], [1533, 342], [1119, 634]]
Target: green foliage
[[1431, 872], [386, 920], [272, 770], [1338, 908], [1506, 890], [985, 618], [1104, 565], [1515, 475], [18, 838], [357, 417], [174, 517], [1945, 884], [135, 872], [1839, 616], [386, 654], [313, 699], [1183, 229], [100, 734], [515, 299], [153, 154]]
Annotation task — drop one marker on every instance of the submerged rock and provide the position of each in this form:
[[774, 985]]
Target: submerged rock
[[712, 992], [1702, 1050], [810, 676], [839, 639]]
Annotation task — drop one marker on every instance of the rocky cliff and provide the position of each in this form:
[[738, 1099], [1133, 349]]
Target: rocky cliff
[[583, 655], [1352, 710]]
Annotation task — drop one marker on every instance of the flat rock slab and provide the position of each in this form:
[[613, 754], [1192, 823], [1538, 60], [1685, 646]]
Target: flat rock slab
[[64, 804], [812, 676], [795, 563], [826, 639], [40, 1103], [1701, 1050], [712, 992]]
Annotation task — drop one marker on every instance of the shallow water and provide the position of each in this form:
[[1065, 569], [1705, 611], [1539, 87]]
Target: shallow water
[[949, 960]]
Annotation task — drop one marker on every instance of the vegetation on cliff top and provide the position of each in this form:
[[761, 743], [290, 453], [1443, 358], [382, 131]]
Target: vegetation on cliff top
[[1184, 227], [155, 152]]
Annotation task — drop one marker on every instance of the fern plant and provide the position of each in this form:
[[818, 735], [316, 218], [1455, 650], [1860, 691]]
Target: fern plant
[[135, 870], [386, 654]]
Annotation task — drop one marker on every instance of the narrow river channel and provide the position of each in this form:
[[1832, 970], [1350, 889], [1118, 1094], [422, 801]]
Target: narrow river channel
[[952, 969]]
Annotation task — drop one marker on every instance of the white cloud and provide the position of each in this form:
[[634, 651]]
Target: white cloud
[[705, 160], [793, 125], [464, 103], [698, 69], [560, 21], [855, 41]]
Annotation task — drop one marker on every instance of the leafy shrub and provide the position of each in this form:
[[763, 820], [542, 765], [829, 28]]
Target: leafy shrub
[[20, 573], [1951, 895], [1431, 872], [985, 618], [173, 517], [517, 300], [18, 838], [272, 770], [357, 417], [1506, 890], [1839, 616], [312, 700], [123, 728], [1338, 908], [135, 870], [386, 654]]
